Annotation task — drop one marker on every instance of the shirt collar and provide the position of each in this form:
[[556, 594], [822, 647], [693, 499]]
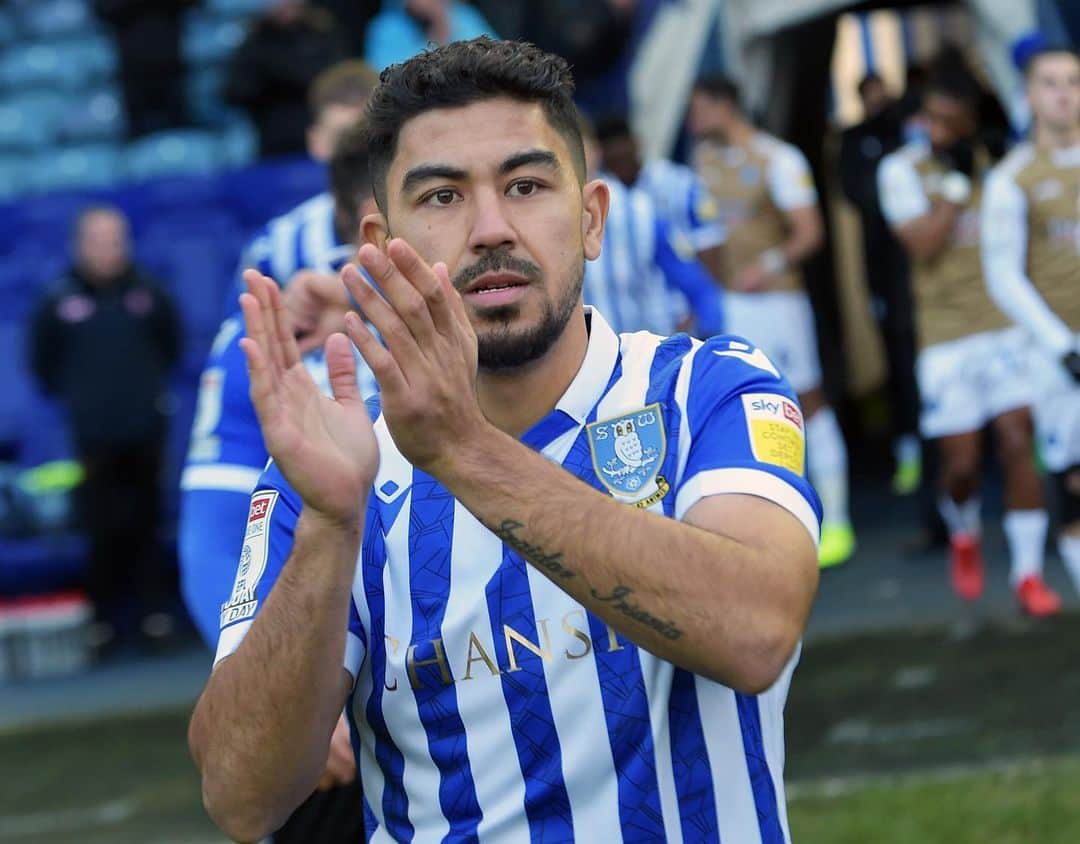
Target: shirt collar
[[592, 378]]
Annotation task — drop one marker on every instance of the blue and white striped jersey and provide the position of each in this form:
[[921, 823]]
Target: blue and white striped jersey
[[683, 201], [647, 274], [304, 238], [490, 705]]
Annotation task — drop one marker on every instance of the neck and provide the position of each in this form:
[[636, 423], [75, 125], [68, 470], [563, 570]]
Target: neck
[[739, 133], [515, 400], [1051, 138]]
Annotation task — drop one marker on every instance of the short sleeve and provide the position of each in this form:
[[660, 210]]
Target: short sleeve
[[791, 184], [268, 540], [902, 196], [745, 433]]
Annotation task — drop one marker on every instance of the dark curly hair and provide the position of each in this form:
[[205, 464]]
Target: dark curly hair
[[459, 74]]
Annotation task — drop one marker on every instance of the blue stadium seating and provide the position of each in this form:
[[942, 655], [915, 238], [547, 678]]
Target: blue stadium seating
[[210, 39], [83, 165], [32, 120], [174, 151], [69, 63], [52, 18], [95, 116], [13, 180], [7, 27], [237, 8], [239, 142]]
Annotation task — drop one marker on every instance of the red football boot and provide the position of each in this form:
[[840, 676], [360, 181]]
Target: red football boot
[[1036, 598], [966, 567]]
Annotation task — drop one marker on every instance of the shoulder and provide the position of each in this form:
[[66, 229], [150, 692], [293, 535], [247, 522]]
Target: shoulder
[[902, 163], [777, 152], [1014, 165]]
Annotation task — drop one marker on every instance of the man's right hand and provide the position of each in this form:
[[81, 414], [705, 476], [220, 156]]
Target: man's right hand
[[325, 447]]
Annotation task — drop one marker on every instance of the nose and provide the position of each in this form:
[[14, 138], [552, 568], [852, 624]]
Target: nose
[[491, 228]]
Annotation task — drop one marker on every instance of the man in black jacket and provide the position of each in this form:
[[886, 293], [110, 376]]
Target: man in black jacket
[[103, 343]]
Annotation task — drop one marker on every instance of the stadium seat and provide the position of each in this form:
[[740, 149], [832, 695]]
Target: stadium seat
[[96, 116], [85, 165], [239, 142], [236, 8], [68, 63], [7, 27], [210, 39], [30, 121], [46, 19], [173, 152], [13, 181], [205, 87]]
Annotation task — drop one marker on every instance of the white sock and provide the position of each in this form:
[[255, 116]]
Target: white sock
[[1069, 548], [827, 465], [962, 519], [1025, 531], [906, 449]]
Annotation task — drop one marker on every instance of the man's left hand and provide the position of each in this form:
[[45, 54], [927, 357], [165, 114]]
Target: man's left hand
[[427, 369]]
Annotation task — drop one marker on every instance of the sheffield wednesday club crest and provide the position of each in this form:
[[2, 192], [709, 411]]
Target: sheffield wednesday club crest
[[627, 454]]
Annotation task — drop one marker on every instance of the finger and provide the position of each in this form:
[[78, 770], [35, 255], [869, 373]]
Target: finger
[[260, 286], [399, 339], [341, 368], [401, 291], [261, 379], [380, 361], [290, 355], [255, 323], [426, 282], [457, 304]]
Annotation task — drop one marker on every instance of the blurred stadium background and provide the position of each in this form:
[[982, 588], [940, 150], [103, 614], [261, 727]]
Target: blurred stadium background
[[912, 718]]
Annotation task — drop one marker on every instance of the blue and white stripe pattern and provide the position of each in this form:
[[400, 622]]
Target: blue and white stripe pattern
[[647, 277], [304, 238], [683, 200], [489, 705]]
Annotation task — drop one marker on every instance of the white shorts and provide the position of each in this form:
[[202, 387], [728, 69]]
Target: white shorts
[[1057, 413], [781, 324], [967, 382]]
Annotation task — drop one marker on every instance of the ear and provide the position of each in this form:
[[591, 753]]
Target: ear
[[374, 230], [595, 199]]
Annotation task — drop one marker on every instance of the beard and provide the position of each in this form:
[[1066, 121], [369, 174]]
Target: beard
[[501, 346]]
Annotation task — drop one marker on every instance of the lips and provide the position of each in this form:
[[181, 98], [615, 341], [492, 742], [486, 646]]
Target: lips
[[490, 282]]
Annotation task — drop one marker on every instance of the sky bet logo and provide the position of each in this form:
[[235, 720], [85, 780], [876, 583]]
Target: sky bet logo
[[776, 406], [258, 509]]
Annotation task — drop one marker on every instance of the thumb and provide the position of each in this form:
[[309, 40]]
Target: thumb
[[341, 366]]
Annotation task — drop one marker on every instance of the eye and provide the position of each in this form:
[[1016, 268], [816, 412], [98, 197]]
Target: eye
[[523, 187], [443, 196]]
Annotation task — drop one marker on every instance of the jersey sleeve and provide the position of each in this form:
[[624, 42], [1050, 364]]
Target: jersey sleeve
[[706, 229], [1004, 227], [684, 273], [743, 433], [902, 196], [268, 540], [791, 183], [225, 458]]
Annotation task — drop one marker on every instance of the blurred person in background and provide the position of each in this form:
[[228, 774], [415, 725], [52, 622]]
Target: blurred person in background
[[272, 71], [681, 198], [103, 343], [226, 454], [647, 277], [861, 149], [147, 39], [405, 27], [769, 210], [1031, 260], [972, 366]]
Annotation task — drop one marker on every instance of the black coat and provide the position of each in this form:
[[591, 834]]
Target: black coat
[[106, 355]]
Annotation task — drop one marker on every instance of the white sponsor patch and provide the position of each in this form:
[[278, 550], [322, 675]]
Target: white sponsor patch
[[253, 557], [775, 426]]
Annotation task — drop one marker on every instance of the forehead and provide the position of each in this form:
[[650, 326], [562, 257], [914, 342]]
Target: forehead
[[1054, 65], [946, 107], [475, 137]]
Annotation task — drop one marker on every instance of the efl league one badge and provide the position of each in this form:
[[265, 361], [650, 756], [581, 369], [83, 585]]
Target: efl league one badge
[[627, 454]]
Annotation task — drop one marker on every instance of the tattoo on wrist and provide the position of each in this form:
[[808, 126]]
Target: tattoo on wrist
[[551, 562], [619, 599]]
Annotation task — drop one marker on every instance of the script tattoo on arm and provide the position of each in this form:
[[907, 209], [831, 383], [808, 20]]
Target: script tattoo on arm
[[550, 562], [619, 599]]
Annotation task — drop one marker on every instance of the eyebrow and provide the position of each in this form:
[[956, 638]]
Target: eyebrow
[[426, 172], [542, 157]]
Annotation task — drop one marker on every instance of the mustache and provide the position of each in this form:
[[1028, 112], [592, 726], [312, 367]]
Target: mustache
[[495, 261]]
